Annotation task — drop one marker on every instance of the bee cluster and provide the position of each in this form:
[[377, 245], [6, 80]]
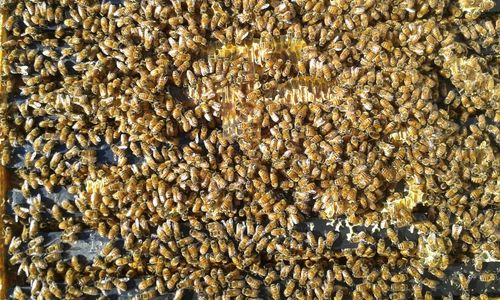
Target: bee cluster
[[230, 124]]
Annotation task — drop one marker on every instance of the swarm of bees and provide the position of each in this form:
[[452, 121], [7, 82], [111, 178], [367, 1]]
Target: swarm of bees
[[197, 137]]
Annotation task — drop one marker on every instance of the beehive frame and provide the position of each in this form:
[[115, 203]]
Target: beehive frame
[[3, 172]]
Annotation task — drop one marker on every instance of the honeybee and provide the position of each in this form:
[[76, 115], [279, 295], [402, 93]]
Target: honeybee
[[251, 293], [393, 236], [478, 263], [146, 283], [120, 285], [436, 272], [173, 281], [90, 290], [179, 294], [253, 282], [431, 284], [289, 288], [339, 294], [104, 285], [18, 294], [398, 278], [20, 212], [487, 277]]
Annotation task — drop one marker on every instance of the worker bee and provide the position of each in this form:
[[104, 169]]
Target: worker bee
[[19, 294], [436, 272], [55, 290], [20, 212], [146, 283], [431, 284], [90, 290], [413, 272], [393, 236], [76, 264], [463, 281], [120, 285], [289, 288], [347, 278], [398, 278], [339, 294], [253, 282], [179, 293], [8, 235], [113, 232], [478, 263], [487, 277], [57, 212], [249, 292]]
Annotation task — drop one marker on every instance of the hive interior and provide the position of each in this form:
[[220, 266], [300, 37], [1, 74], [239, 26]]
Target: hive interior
[[250, 149]]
